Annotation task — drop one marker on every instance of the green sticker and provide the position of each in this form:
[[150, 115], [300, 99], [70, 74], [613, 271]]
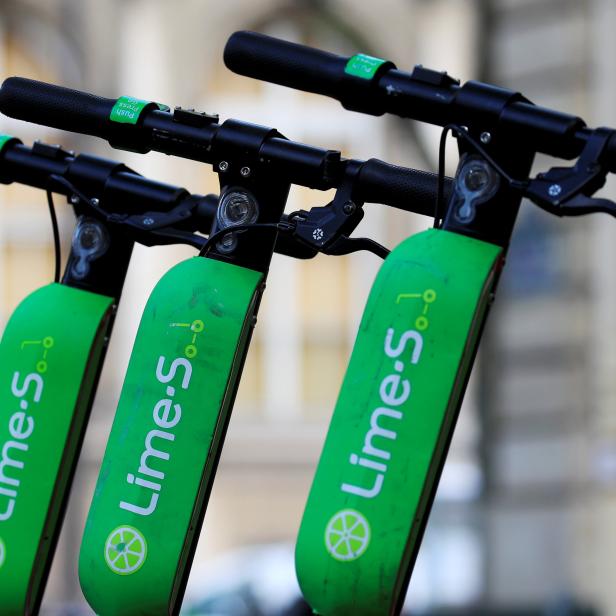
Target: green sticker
[[4, 139], [390, 428], [363, 66], [127, 110]]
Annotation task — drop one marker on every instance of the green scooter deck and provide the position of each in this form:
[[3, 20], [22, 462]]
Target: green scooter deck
[[50, 356], [392, 424], [164, 445]]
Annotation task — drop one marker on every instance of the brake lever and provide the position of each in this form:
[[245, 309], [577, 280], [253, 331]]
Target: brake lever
[[566, 191], [345, 245], [326, 229]]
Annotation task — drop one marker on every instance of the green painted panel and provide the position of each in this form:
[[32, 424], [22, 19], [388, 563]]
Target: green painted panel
[[49, 357], [160, 458], [391, 423]]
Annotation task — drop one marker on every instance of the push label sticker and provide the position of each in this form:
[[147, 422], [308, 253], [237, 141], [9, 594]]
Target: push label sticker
[[49, 357], [361, 65], [160, 458], [5, 139], [127, 110], [373, 484]]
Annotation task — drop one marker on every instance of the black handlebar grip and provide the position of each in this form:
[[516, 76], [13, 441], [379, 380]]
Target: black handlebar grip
[[55, 106], [288, 64], [312, 70], [400, 187]]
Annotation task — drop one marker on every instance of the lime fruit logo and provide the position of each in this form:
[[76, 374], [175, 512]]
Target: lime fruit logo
[[347, 535], [2, 553], [125, 550]]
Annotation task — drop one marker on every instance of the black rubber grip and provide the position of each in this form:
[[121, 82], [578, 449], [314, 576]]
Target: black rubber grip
[[400, 187], [55, 106], [288, 64]]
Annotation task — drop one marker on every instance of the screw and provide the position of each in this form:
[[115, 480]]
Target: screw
[[94, 202], [245, 171], [485, 137], [148, 221], [223, 165], [349, 207], [74, 199], [554, 190]]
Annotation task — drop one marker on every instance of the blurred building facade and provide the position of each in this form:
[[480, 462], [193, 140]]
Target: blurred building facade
[[548, 412], [525, 512]]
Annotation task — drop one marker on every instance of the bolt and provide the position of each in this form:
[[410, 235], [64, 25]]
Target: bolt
[[74, 199], [94, 202], [554, 190], [223, 165], [485, 137], [349, 207], [245, 171], [148, 221]]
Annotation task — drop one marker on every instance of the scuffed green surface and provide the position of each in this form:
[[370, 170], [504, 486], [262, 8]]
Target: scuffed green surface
[[197, 316], [48, 358], [400, 391]]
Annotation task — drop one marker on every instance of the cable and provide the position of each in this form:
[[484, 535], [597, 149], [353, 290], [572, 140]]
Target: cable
[[56, 236], [461, 133], [441, 177], [73, 189], [280, 226]]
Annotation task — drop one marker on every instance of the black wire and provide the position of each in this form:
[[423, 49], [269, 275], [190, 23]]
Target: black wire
[[441, 177], [56, 236], [280, 226], [520, 185], [460, 133], [73, 189]]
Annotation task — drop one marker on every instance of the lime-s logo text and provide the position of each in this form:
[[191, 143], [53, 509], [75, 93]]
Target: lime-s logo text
[[394, 391], [166, 415], [28, 391]]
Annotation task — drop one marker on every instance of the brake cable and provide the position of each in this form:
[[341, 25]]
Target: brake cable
[[56, 236]]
